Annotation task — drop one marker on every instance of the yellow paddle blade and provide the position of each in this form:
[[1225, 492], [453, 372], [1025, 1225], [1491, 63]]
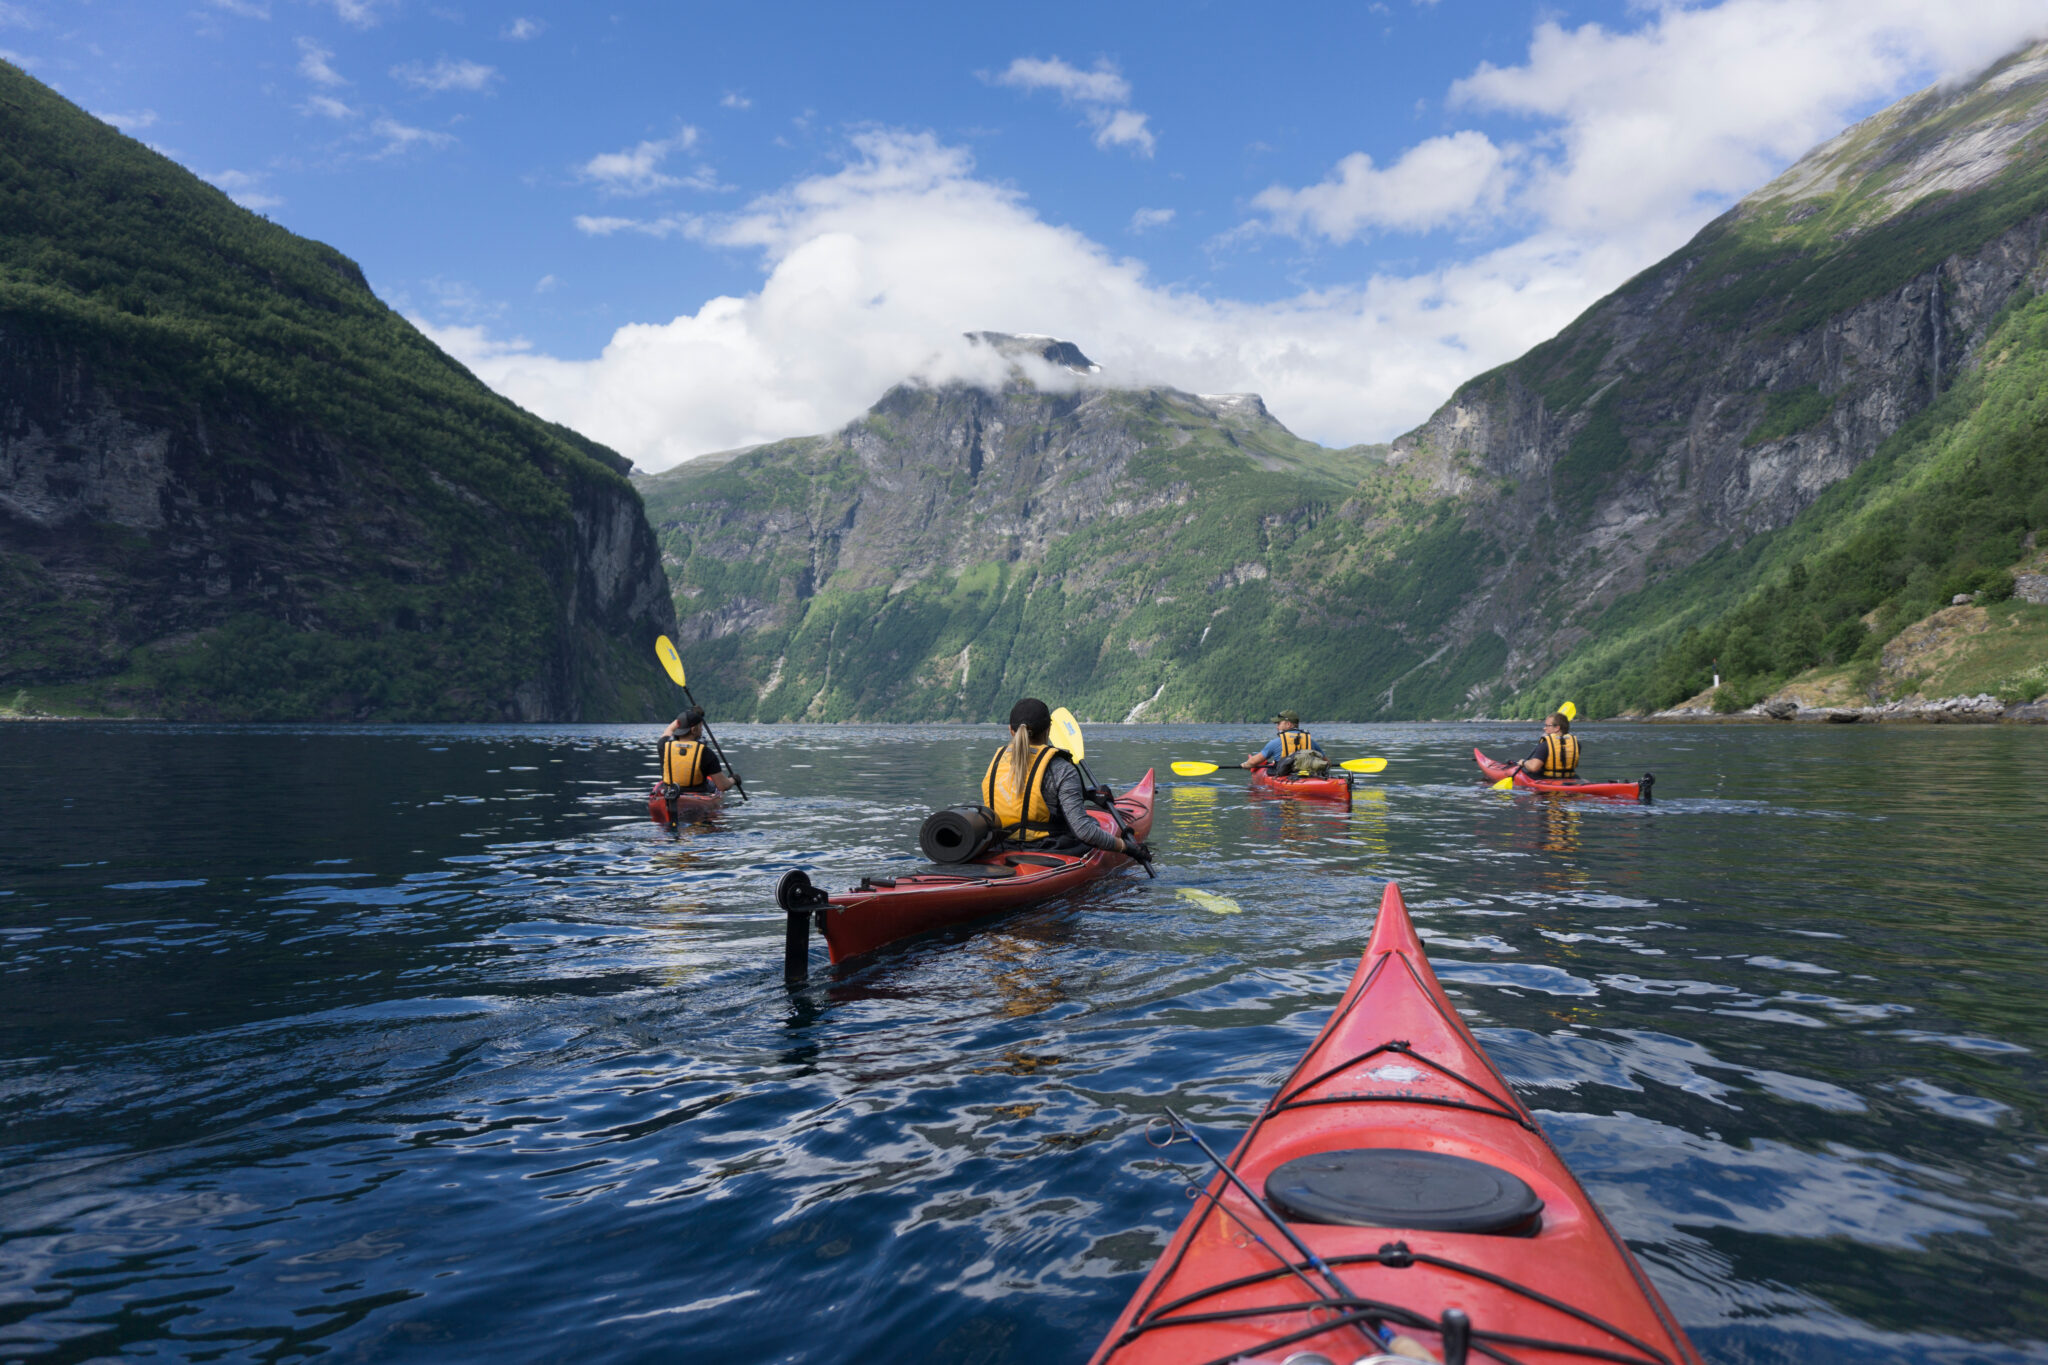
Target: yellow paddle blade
[[670, 660], [1568, 711], [1195, 769], [1505, 784], [1221, 905], [1066, 734], [1364, 765]]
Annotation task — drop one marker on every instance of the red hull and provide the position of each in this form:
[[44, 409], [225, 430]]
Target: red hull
[[1628, 791], [1396, 1068], [859, 922], [1302, 788], [688, 804]]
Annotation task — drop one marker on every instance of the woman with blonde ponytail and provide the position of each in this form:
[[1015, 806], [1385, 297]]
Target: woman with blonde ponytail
[[1036, 791]]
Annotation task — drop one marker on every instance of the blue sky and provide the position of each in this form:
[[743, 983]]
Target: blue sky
[[685, 227]]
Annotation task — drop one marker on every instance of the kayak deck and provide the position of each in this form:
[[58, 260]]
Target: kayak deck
[[1626, 791], [1302, 788], [1395, 1082], [883, 909]]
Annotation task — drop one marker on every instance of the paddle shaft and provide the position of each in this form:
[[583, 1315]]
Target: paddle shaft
[[716, 748], [1123, 827]]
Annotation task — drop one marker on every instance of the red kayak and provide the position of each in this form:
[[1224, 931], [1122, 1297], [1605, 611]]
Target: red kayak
[[1395, 1196], [883, 909], [1302, 788], [688, 805], [1627, 791]]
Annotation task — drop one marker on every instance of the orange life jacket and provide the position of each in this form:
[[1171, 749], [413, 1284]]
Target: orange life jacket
[[1560, 756], [682, 762], [1021, 808]]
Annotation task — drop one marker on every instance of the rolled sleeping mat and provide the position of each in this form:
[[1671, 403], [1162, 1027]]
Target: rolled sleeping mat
[[958, 833]]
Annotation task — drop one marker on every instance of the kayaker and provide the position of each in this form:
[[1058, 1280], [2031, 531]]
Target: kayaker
[[1036, 791], [1556, 756], [687, 762], [1289, 750]]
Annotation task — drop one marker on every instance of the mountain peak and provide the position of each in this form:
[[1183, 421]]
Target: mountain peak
[[1018, 345], [1945, 140]]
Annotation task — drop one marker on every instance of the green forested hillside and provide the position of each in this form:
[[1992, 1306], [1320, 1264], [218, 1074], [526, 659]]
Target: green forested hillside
[[1943, 508], [241, 486], [1227, 569]]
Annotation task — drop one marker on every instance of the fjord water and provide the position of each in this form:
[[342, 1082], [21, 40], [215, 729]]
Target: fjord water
[[426, 1044]]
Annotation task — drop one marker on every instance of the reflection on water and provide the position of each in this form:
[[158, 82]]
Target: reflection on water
[[478, 1062]]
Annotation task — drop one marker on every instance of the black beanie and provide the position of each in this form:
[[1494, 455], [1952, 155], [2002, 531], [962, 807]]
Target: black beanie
[[1031, 713]]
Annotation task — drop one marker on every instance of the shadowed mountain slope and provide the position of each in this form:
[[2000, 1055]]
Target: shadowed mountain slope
[[233, 484]]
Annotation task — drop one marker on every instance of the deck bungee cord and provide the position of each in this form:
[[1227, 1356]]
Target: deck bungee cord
[[1392, 1195]]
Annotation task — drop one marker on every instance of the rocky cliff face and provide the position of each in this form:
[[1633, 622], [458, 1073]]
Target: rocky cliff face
[[1721, 392], [233, 484], [960, 542]]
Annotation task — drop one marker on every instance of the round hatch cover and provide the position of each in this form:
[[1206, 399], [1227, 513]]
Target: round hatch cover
[[1390, 1187]]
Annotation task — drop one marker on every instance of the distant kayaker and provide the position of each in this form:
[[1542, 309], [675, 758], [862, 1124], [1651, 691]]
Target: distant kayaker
[[1291, 750], [687, 762], [1036, 791], [1556, 756]]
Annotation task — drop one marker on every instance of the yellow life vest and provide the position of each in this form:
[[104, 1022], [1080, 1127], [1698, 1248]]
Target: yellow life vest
[[1022, 810], [1560, 756], [1294, 742], [682, 762]]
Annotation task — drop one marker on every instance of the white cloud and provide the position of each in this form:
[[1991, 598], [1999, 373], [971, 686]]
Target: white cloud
[[546, 284], [637, 170], [1638, 132], [1124, 128], [315, 64], [734, 100], [247, 9], [1104, 85], [1709, 103], [519, 30], [129, 123], [444, 75], [360, 13], [327, 107], [873, 273], [1436, 182], [16, 16], [1144, 220], [669, 225], [399, 138], [1101, 94], [243, 188], [870, 273]]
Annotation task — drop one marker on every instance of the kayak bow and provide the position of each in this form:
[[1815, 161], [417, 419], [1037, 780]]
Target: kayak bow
[[1627, 791], [1395, 1188]]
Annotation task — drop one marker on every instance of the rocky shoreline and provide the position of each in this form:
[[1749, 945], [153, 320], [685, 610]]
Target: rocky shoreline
[[1982, 709]]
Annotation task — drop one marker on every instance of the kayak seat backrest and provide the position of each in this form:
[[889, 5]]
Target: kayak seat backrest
[[1393, 1187]]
